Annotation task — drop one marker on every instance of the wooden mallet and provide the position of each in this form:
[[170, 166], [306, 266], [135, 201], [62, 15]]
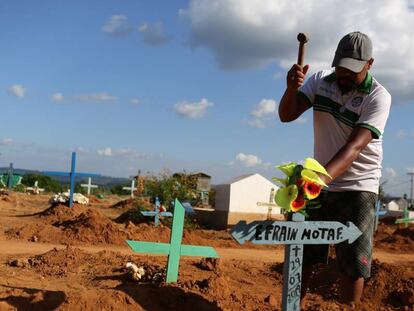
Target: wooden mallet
[[302, 38]]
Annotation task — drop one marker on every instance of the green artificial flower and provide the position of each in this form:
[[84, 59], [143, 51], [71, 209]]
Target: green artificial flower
[[287, 168], [296, 175], [282, 181], [314, 165], [285, 196], [311, 176]]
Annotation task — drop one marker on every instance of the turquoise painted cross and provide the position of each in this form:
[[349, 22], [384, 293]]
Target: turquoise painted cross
[[10, 179], [174, 249], [156, 213], [405, 220]]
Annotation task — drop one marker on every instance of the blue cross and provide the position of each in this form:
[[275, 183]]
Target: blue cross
[[156, 213], [378, 213], [72, 174]]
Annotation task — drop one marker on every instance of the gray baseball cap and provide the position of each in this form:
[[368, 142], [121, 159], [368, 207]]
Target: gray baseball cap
[[353, 51]]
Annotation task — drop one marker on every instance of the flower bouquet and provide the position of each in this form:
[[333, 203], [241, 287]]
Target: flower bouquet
[[301, 186]]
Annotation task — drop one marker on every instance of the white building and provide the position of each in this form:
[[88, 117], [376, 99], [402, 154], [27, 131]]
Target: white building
[[246, 198], [396, 208]]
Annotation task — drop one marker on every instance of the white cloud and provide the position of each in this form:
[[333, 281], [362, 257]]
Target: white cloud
[[6, 141], [390, 172], [107, 152], [125, 153], [193, 110], [153, 33], [117, 26], [301, 120], [263, 113], [135, 101], [401, 134], [57, 97], [248, 160], [244, 34], [96, 97], [278, 75], [17, 90], [264, 108], [257, 123], [82, 150]]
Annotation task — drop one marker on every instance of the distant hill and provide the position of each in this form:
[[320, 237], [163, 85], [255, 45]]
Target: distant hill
[[103, 181]]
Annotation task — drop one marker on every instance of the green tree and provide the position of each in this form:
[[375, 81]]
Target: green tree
[[117, 189], [167, 187], [45, 182]]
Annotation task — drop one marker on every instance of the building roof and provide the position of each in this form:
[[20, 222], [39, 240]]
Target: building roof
[[238, 178], [241, 177], [199, 174]]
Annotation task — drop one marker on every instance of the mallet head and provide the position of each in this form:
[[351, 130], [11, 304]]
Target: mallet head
[[302, 37]]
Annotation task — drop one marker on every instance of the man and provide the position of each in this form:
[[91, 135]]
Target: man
[[350, 109]]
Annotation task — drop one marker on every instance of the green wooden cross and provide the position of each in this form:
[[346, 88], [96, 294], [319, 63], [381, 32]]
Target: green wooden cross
[[174, 249], [404, 220]]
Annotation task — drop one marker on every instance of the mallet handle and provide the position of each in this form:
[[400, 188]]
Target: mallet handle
[[302, 38], [301, 53]]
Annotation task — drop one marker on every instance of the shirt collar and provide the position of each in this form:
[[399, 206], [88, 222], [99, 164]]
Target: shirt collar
[[364, 87]]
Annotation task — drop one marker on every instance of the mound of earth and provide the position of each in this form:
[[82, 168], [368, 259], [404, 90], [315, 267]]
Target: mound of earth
[[61, 212], [100, 281], [395, 238], [92, 227], [131, 203], [132, 215], [77, 225], [93, 199], [387, 220]]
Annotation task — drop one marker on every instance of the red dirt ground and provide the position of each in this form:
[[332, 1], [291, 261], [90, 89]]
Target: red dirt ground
[[82, 277]]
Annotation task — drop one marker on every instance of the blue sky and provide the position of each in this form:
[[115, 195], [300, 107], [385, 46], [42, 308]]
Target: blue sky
[[184, 85]]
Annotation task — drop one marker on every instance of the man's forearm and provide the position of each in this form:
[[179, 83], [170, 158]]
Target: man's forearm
[[344, 158], [342, 161], [291, 107], [288, 106]]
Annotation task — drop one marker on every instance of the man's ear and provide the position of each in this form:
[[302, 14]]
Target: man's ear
[[370, 62]]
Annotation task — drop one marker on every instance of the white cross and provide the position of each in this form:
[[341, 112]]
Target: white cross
[[89, 185], [35, 189], [132, 188], [270, 204]]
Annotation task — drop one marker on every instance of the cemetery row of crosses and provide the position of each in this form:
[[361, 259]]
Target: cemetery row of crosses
[[101, 243]]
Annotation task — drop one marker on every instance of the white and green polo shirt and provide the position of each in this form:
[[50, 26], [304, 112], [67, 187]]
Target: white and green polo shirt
[[336, 115]]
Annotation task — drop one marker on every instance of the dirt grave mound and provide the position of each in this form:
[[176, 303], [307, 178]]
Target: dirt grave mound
[[390, 287], [92, 227], [94, 199], [405, 232], [131, 203], [395, 238], [72, 260], [387, 220], [61, 212], [147, 232], [77, 225], [229, 285], [8, 196]]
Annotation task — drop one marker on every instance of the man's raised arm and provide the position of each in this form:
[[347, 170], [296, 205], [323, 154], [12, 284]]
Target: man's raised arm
[[292, 106]]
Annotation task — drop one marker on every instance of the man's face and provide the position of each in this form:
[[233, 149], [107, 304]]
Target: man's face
[[348, 80]]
